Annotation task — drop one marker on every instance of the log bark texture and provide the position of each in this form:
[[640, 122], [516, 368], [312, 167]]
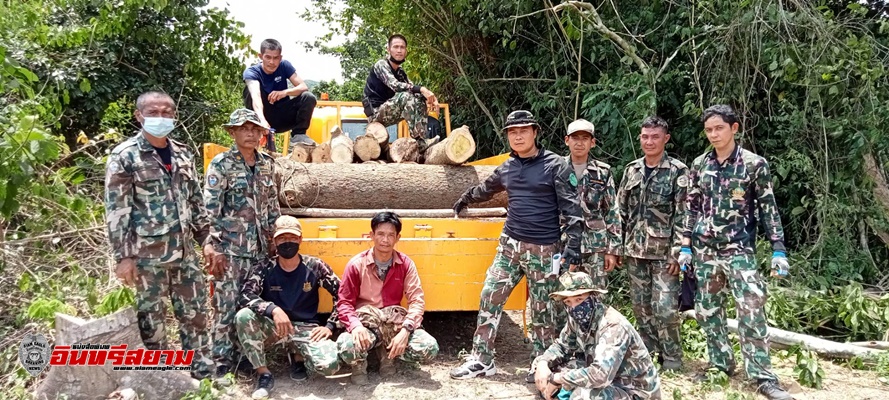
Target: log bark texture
[[410, 213], [301, 152], [376, 186], [321, 153], [458, 147], [97, 382], [403, 150], [367, 148], [340, 146], [816, 344]]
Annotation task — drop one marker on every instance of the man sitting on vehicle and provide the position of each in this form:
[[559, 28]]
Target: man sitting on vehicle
[[369, 305], [280, 300], [598, 355]]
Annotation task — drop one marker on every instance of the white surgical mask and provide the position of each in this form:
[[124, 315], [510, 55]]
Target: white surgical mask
[[158, 127]]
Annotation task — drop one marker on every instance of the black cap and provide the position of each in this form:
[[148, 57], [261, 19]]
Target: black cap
[[520, 118]]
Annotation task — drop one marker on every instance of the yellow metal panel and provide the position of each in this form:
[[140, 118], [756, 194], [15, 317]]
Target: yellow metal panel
[[452, 271], [210, 151], [495, 160], [463, 228]]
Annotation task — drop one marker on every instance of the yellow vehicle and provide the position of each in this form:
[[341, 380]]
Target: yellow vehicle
[[451, 254]]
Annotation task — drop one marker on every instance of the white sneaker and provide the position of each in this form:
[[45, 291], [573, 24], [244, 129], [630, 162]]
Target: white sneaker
[[472, 368]]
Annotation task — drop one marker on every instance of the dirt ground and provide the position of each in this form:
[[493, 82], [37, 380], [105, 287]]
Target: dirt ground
[[454, 333]]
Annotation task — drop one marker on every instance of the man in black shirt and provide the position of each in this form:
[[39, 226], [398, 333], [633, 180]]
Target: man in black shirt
[[280, 300], [389, 96], [540, 192]]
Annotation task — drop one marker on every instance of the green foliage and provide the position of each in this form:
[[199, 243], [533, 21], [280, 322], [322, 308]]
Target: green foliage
[[845, 312], [205, 391], [115, 300], [44, 310], [808, 371]]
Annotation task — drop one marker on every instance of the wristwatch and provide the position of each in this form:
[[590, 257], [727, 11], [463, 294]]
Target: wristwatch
[[409, 326]]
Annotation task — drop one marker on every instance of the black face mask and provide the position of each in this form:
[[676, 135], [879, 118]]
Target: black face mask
[[288, 250], [397, 62]]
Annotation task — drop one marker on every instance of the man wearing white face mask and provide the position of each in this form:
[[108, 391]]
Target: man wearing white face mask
[[153, 210]]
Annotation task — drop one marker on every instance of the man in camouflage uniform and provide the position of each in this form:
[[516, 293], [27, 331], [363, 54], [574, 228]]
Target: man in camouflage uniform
[[652, 199], [598, 355], [154, 211], [728, 187], [280, 306], [601, 242], [389, 96], [242, 204], [540, 192]]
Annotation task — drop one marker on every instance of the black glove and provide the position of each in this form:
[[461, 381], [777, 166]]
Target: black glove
[[459, 206], [570, 256]]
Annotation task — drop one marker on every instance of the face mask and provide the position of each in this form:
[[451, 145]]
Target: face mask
[[397, 62], [288, 250], [587, 312], [158, 127]]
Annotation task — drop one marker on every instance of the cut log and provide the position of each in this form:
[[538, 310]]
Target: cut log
[[379, 132], [367, 148], [873, 344], [821, 346], [301, 152], [321, 153], [458, 147], [340, 146], [378, 186], [366, 213], [404, 149], [98, 382]]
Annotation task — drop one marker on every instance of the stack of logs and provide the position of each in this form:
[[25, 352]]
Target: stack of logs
[[374, 148]]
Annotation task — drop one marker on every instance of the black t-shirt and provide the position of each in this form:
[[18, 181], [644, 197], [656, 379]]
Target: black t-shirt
[[648, 170], [295, 292], [166, 156]]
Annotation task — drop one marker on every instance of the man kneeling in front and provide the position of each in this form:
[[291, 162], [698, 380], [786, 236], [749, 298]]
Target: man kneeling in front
[[598, 355], [374, 282], [280, 300]]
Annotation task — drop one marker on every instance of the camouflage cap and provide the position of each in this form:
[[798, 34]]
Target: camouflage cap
[[575, 283], [242, 115], [287, 224]]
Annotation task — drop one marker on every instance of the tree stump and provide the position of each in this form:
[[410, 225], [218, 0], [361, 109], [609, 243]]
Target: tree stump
[[404, 149], [97, 382], [301, 152], [340, 146], [458, 147], [321, 153], [366, 148]]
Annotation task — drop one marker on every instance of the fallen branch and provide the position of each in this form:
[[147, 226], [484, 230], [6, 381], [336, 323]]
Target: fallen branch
[[816, 344], [369, 213]]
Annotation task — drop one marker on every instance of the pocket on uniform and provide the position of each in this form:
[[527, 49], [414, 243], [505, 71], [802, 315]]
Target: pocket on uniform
[[153, 240], [659, 240], [230, 224]]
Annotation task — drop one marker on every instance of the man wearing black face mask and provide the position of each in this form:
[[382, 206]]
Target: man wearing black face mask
[[280, 300], [598, 355], [389, 96]]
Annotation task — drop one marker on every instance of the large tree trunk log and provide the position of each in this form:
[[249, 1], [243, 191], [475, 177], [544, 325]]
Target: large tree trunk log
[[378, 186], [404, 149], [321, 153], [816, 344], [97, 382], [458, 147], [411, 213], [367, 148], [301, 152], [340, 146], [379, 132]]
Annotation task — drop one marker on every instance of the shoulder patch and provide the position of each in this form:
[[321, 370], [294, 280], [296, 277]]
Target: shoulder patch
[[682, 181], [573, 179], [114, 166], [212, 179]]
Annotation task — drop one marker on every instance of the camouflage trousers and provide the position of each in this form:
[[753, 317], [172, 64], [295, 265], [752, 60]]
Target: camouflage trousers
[[593, 264], [582, 393], [403, 106], [257, 332], [514, 260], [749, 291], [654, 293], [225, 306], [421, 346], [183, 282]]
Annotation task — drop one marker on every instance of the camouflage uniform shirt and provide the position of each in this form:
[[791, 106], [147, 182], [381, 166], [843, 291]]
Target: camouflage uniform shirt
[[653, 209], [613, 353], [242, 205], [318, 274], [724, 199], [153, 214], [602, 229]]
